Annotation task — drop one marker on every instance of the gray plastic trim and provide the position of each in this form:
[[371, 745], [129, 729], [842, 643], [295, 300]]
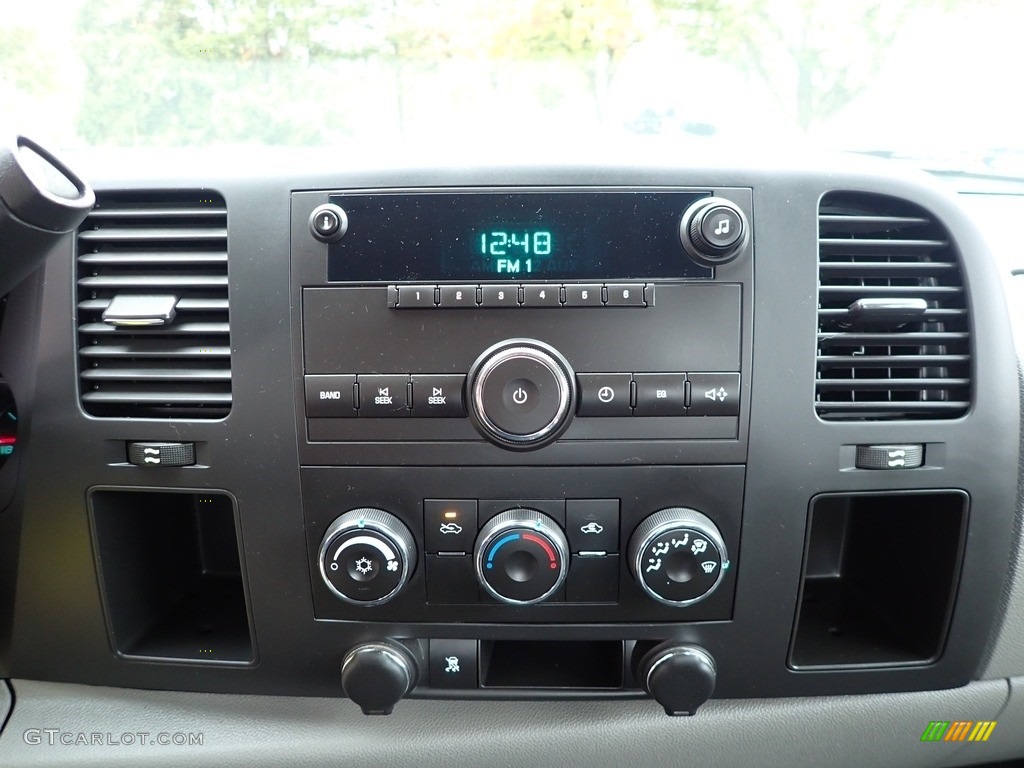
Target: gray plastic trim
[[247, 731]]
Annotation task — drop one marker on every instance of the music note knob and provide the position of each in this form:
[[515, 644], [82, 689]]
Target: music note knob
[[713, 231]]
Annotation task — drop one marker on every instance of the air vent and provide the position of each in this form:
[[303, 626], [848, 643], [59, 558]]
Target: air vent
[[153, 334], [893, 329]]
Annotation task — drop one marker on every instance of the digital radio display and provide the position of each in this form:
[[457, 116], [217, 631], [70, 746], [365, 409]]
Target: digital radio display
[[522, 236]]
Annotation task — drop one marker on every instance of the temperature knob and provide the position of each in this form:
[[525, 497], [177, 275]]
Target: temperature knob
[[713, 231], [677, 556], [521, 557], [367, 556]]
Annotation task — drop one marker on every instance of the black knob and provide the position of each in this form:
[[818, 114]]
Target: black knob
[[521, 557], [678, 676], [521, 394], [376, 676], [713, 231], [367, 555], [678, 556], [328, 223]]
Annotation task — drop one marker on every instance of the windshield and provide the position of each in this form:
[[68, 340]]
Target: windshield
[[929, 79]]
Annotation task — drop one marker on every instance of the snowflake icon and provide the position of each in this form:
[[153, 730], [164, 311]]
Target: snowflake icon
[[363, 565]]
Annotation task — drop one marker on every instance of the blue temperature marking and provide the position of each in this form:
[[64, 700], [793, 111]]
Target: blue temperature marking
[[498, 545]]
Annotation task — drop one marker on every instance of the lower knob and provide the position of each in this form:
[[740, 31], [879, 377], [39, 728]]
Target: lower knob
[[678, 676], [376, 676]]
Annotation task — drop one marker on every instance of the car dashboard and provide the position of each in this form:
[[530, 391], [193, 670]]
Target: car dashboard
[[524, 457]]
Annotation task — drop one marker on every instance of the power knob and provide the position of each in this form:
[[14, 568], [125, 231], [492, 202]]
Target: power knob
[[713, 231], [366, 556], [521, 394]]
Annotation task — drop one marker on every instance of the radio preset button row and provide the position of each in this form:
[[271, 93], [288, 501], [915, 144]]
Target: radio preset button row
[[420, 395], [658, 394], [514, 295]]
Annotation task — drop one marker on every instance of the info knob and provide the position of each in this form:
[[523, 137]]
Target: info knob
[[522, 394]]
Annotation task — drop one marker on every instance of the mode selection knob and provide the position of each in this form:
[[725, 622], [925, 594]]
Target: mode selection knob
[[713, 231], [678, 556], [367, 555], [521, 557], [521, 394]]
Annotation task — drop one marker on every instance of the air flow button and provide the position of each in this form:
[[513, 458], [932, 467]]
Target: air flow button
[[890, 456], [162, 454]]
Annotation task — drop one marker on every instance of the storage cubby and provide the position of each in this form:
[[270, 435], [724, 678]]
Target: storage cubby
[[171, 575], [880, 578], [556, 664]]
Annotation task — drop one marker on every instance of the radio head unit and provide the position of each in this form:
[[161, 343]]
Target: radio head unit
[[583, 324]]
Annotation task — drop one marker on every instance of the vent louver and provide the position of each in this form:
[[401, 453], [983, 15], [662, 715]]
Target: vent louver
[[137, 252], [893, 328]]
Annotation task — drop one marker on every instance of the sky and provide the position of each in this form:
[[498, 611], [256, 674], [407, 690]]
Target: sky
[[948, 88]]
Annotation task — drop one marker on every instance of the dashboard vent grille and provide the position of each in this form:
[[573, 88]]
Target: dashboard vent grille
[[893, 327], [153, 331]]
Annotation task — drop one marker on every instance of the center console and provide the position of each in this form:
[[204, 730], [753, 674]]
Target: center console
[[481, 367]]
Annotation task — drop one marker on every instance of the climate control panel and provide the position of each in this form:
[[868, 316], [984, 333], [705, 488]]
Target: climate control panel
[[665, 554]]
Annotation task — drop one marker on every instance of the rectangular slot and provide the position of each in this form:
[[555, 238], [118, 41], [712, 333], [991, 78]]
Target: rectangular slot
[[171, 575], [880, 577], [551, 664]]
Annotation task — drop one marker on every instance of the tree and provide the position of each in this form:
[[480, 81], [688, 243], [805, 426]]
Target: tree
[[813, 57], [594, 34], [24, 64], [185, 71]]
